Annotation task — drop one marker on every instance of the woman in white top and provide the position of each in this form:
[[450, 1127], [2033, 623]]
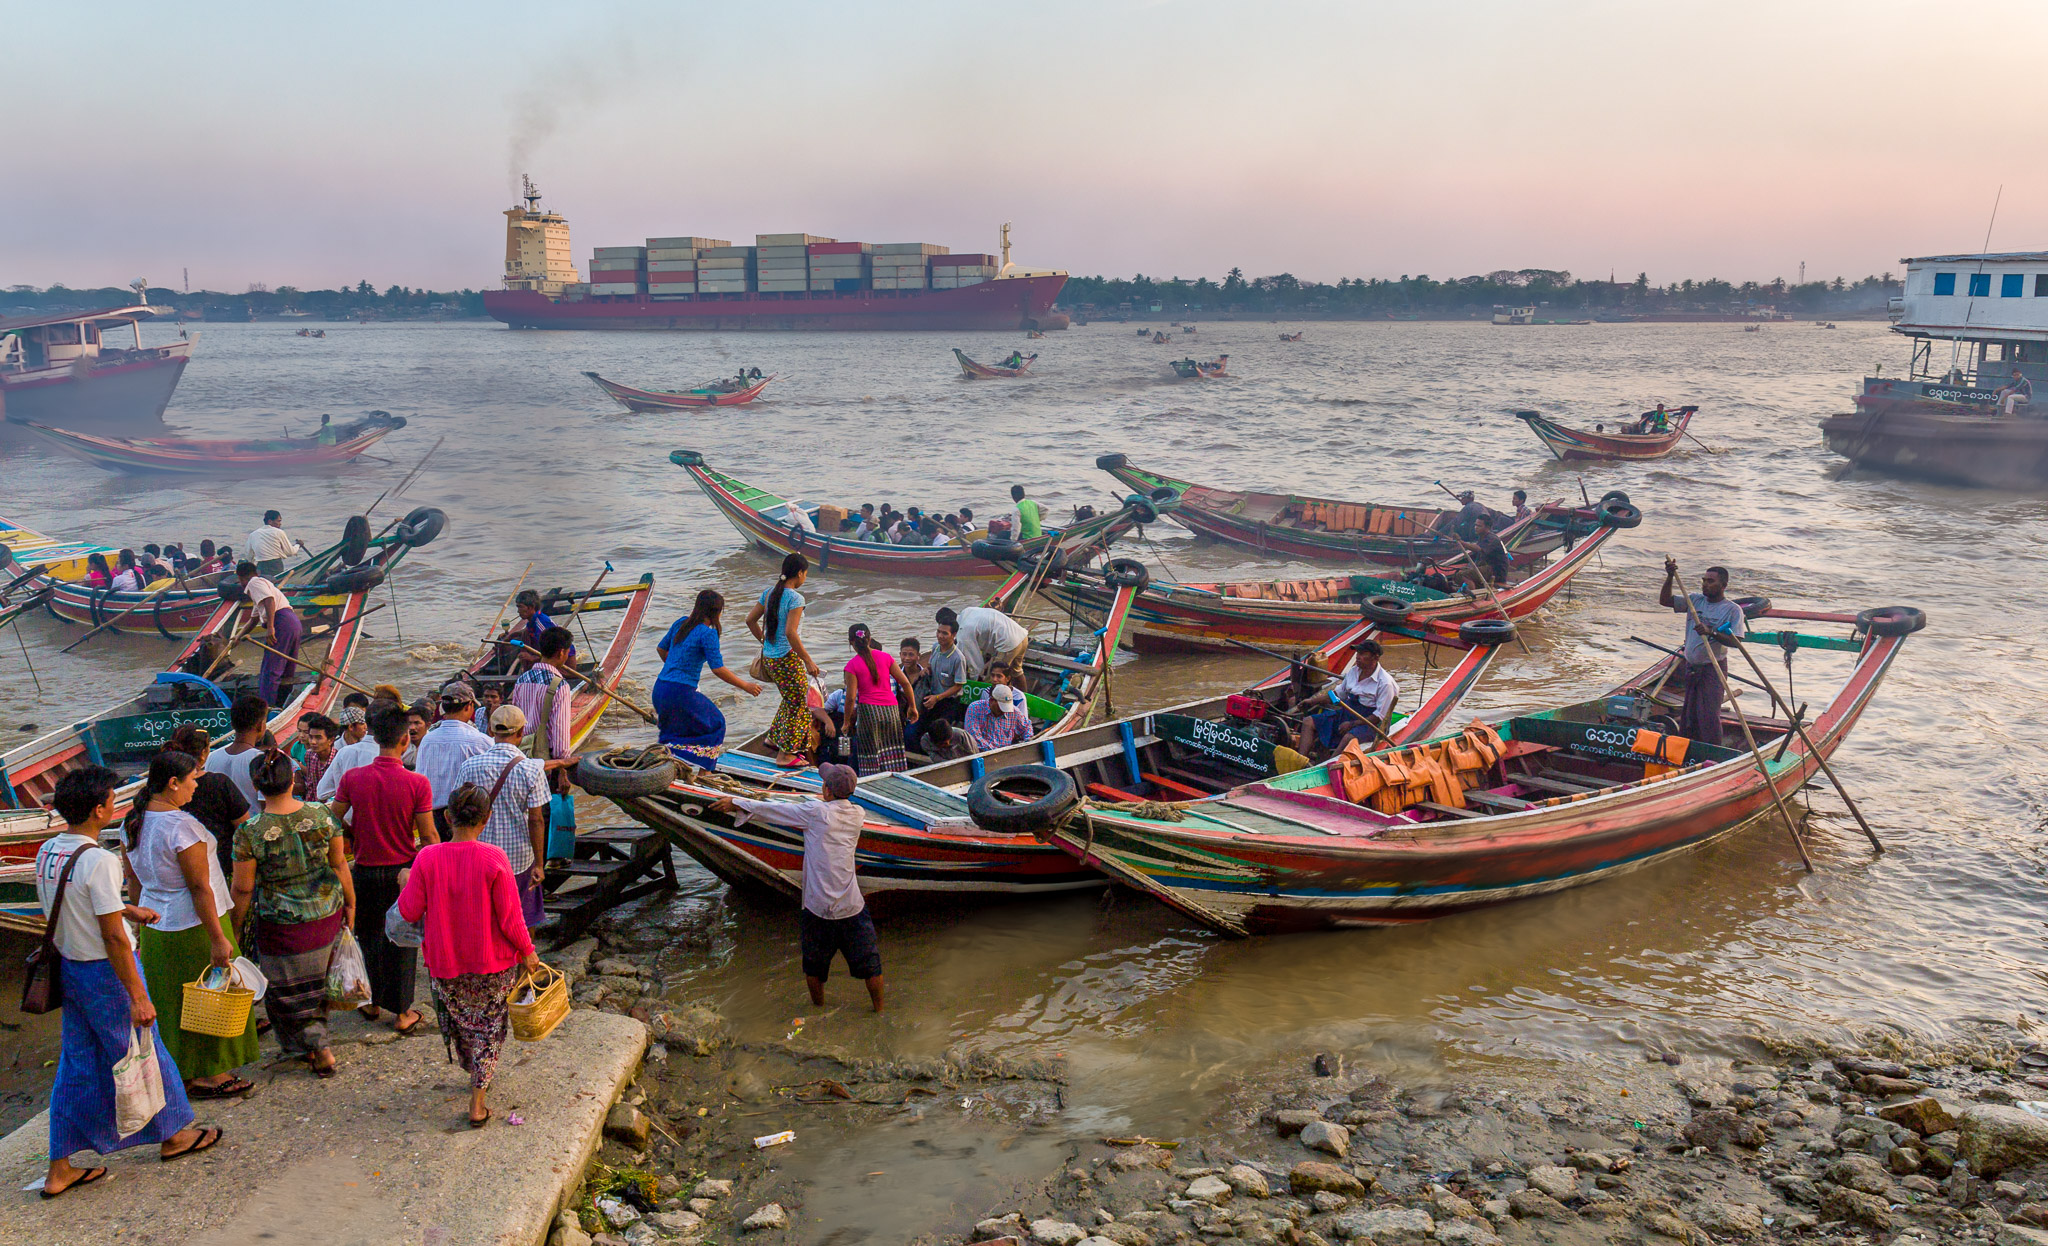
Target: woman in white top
[[175, 862], [282, 626]]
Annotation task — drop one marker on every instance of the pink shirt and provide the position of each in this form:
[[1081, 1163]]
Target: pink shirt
[[474, 923], [874, 689]]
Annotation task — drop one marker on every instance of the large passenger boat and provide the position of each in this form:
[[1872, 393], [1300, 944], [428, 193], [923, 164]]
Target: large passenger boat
[[68, 369]]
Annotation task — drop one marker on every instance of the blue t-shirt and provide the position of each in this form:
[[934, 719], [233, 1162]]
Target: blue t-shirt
[[686, 661], [777, 644], [539, 623]]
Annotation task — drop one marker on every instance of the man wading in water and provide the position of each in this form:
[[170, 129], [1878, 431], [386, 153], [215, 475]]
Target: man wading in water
[[1701, 718]]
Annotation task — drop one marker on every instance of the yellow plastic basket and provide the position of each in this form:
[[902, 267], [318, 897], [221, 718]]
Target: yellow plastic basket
[[222, 1011], [539, 1001]]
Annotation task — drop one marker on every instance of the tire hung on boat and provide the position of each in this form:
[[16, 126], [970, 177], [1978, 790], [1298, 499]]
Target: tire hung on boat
[[1619, 515], [351, 580], [1891, 621], [1386, 608], [1753, 606], [1141, 509], [996, 551], [1110, 462], [421, 526], [1126, 573], [626, 772], [1487, 632], [1021, 800], [1614, 495]]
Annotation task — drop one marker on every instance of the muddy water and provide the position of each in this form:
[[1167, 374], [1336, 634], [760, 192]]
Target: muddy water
[[1939, 937]]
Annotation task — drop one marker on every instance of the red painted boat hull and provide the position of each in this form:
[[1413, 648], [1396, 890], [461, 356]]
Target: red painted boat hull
[[1003, 304], [1580, 445]]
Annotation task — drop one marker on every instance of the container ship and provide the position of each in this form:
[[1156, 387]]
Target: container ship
[[781, 282]]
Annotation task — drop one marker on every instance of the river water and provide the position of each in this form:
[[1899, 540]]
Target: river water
[[1939, 938]]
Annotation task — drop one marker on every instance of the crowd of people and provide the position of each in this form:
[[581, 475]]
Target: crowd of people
[[883, 524], [134, 571], [381, 818]]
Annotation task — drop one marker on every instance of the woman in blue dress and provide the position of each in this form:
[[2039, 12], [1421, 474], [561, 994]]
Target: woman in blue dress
[[691, 726]]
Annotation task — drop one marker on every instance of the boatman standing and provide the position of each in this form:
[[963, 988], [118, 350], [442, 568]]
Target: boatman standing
[[270, 545], [1701, 718]]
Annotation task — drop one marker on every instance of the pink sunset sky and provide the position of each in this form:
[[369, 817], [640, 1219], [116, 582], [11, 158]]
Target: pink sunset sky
[[316, 145]]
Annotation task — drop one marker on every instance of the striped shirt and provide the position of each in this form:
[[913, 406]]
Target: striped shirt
[[525, 788]]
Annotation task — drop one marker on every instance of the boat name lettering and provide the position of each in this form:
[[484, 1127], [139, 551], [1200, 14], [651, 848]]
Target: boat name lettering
[[1611, 738], [1948, 394], [1220, 741]]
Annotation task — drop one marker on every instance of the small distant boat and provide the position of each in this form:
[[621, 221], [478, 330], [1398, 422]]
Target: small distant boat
[[223, 458], [1035, 333], [993, 371], [1159, 338], [1576, 443], [311, 333], [712, 394], [1200, 369], [1751, 328], [1290, 337]]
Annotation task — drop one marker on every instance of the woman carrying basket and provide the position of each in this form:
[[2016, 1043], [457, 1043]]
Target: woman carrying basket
[[465, 896], [291, 869]]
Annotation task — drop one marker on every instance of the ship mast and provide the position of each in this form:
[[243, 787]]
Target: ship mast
[[531, 195]]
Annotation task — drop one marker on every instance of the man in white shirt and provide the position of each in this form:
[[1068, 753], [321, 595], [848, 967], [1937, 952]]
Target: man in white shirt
[[283, 630], [1364, 692], [986, 637], [835, 915], [449, 743], [270, 545], [249, 718], [357, 749]]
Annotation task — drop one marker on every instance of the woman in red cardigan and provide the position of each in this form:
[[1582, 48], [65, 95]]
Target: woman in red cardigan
[[476, 939]]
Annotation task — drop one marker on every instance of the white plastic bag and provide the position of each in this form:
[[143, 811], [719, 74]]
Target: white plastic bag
[[399, 932], [138, 1084], [246, 975], [348, 979]]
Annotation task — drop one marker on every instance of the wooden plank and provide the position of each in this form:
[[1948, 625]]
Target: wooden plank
[[1545, 783], [1497, 801], [1181, 789], [1450, 810]]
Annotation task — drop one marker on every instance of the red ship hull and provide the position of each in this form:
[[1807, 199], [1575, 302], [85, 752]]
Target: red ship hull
[[1003, 304]]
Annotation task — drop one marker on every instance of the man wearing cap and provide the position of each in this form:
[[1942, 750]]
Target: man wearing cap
[[998, 719], [1364, 691], [835, 915], [449, 743], [518, 785]]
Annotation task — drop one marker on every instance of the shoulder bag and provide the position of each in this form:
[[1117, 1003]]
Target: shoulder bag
[[42, 985]]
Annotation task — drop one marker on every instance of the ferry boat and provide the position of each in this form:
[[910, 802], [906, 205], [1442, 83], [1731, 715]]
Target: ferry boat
[[61, 369], [541, 289], [1977, 323]]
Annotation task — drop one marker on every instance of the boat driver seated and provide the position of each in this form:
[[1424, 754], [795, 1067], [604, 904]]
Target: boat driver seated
[[2018, 394], [1359, 700], [1484, 553], [1460, 523]]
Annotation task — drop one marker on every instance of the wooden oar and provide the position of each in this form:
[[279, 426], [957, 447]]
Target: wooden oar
[[1763, 768], [612, 691], [1807, 740], [168, 586], [315, 667], [6, 591], [492, 631], [1679, 653], [1701, 444]]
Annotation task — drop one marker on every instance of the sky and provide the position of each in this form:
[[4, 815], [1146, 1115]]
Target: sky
[[314, 145]]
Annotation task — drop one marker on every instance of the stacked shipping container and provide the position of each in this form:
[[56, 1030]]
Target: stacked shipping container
[[681, 267], [903, 265], [672, 265], [781, 262], [950, 272], [618, 270], [838, 266], [725, 270]]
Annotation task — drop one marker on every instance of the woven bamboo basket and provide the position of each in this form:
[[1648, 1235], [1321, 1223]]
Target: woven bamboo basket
[[545, 996], [221, 1011]]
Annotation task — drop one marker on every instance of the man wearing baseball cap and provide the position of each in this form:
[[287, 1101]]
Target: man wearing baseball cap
[[998, 719], [1359, 700], [452, 740], [835, 914]]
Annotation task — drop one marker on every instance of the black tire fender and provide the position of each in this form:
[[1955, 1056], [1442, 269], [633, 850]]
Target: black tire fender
[[1488, 632], [626, 772], [1619, 515], [229, 589], [1021, 800], [682, 458], [421, 526], [1386, 608], [1110, 462], [351, 580], [1614, 495], [1126, 573], [1891, 621], [995, 551], [1141, 509], [1164, 493], [1753, 606]]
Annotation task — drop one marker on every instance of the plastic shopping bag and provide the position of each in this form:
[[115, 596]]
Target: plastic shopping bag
[[399, 932], [138, 1084], [348, 979]]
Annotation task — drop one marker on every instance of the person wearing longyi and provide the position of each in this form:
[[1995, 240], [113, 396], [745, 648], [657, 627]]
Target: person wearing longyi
[[986, 637], [451, 741], [835, 916], [690, 723], [1700, 720], [105, 998], [282, 630], [1365, 691], [270, 545], [393, 816]]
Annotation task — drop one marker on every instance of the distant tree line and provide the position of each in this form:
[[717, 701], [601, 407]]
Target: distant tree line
[[1460, 297], [394, 302]]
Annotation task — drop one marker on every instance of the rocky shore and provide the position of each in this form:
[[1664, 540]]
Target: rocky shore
[[1814, 1144]]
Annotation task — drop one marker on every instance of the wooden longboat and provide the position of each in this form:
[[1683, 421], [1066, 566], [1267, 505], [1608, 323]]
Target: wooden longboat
[[1570, 444], [990, 371], [183, 609], [1201, 369], [641, 400], [763, 518], [1300, 614], [272, 457], [127, 734], [1575, 797], [60, 560], [1300, 526], [22, 832], [495, 664], [919, 836]]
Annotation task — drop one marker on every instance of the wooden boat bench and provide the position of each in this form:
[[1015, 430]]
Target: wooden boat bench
[[1496, 800], [1451, 811]]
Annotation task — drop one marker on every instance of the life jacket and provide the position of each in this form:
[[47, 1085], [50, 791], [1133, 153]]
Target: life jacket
[[1666, 752]]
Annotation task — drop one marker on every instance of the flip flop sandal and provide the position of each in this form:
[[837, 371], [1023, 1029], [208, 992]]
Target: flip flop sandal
[[405, 1031], [323, 1072], [91, 1175], [370, 1012], [208, 1137], [233, 1088], [478, 1122]]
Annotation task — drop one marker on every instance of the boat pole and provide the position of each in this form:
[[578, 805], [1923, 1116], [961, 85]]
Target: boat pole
[[26, 662], [1756, 754], [611, 690], [1807, 740], [315, 667], [1485, 584], [491, 633]]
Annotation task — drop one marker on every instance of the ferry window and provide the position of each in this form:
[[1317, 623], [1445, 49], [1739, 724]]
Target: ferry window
[[2012, 285], [1980, 285], [1944, 283], [2041, 285]]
